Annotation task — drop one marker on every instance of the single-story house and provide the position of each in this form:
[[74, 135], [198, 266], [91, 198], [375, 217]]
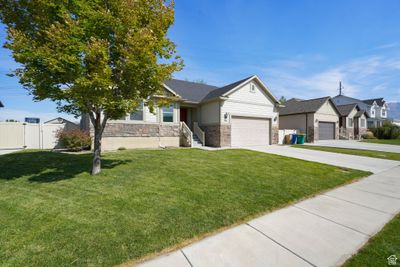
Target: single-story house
[[243, 113], [68, 125], [317, 118], [353, 121]]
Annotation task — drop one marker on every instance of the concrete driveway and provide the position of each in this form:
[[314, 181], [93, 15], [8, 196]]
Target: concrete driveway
[[342, 160], [357, 145], [322, 231], [8, 151]]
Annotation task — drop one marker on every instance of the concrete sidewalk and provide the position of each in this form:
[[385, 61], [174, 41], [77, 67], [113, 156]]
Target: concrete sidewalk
[[351, 144], [321, 231], [342, 160]]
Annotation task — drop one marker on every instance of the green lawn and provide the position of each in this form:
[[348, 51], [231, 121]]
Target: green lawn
[[383, 141], [357, 152], [53, 213], [379, 247]]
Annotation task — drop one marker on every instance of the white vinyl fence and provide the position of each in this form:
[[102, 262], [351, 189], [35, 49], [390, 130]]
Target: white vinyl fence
[[14, 135]]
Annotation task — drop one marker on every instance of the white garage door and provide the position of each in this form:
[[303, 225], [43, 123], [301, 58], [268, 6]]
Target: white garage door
[[249, 131]]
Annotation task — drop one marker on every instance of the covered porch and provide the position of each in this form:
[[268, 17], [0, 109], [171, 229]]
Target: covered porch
[[192, 134]]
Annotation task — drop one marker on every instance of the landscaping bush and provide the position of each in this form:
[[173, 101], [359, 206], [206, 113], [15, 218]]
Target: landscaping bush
[[368, 135], [387, 131], [74, 139]]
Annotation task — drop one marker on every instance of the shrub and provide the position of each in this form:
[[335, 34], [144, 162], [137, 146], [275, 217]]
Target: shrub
[[122, 148], [74, 139], [387, 131], [368, 135]]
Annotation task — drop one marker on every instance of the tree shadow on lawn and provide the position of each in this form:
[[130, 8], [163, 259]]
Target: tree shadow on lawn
[[45, 166]]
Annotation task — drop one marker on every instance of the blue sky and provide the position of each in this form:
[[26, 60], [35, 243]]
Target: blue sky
[[298, 48]]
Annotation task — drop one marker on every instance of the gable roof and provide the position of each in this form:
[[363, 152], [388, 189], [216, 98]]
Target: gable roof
[[225, 89], [345, 110], [360, 113], [199, 92], [379, 101], [191, 91], [296, 106], [58, 120]]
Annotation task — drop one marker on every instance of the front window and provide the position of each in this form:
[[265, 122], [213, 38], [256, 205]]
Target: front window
[[372, 112], [383, 113], [168, 113], [137, 115], [363, 123], [350, 122]]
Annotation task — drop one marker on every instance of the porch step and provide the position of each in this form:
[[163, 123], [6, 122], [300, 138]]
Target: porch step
[[196, 141]]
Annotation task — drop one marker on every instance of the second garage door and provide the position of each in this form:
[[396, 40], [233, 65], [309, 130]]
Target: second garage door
[[249, 131], [326, 130]]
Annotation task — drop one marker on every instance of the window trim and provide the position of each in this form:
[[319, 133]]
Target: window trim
[[142, 108], [350, 121], [173, 113], [252, 88]]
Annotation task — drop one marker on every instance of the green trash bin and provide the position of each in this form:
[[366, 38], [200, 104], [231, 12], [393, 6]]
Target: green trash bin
[[301, 139]]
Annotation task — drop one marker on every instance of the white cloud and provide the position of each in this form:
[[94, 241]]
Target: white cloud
[[364, 77]]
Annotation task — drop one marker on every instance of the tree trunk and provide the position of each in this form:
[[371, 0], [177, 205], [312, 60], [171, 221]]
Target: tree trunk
[[99, 126], [96, 168]]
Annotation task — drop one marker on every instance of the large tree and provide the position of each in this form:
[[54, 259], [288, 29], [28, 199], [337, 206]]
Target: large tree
[[99, 57]]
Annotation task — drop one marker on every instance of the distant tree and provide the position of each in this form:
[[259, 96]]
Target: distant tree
[[12, 120], [100, 57], [282, 100]]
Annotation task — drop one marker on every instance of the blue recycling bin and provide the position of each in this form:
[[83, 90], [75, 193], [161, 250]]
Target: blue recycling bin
[[294, 139]]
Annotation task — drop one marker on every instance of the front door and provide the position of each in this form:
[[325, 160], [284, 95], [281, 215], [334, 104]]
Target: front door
[[184, 115]]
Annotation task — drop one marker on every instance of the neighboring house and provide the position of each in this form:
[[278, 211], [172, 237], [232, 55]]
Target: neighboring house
[[353, 121], [376, 109], [317, 118], [243, 113], [68, 125]]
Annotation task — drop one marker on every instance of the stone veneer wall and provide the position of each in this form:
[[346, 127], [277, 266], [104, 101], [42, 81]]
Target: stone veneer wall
[[311, 133], [141, 130], [274, 135], [217, 135]]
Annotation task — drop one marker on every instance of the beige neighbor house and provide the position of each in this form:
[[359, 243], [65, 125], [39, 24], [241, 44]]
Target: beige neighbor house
[[317, 118], [243, 113], [353, 121]]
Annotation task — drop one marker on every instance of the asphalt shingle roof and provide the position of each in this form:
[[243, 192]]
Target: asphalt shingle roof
[[192, 91], [345, 110], [198, 92], [378, 101], [296, 106]]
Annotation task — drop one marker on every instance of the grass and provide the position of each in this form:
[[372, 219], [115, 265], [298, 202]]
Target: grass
[[357, 152], [383, 141], [379, 247], [53, 213]]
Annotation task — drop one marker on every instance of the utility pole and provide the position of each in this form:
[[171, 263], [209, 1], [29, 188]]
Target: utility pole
[[340, 88]]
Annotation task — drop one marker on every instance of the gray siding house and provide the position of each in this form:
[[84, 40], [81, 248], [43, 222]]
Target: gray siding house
[[376, 109], [318, 118]]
